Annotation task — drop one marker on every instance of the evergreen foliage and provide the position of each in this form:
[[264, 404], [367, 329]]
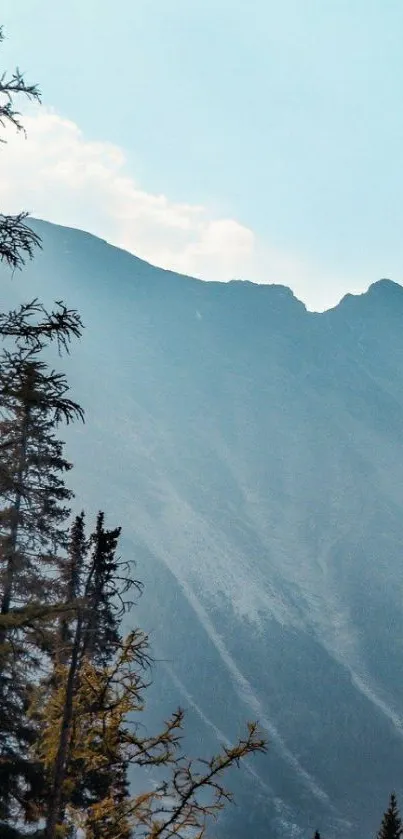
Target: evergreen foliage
[[17, 240], [33, 497], [391, 827], [33, 511], [88, 717], [34, 501]]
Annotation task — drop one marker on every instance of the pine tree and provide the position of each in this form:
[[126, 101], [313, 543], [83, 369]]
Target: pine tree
[[391, 827], [33, 510], [71, 571], [33, 403], [92, 574], [106, 741], [29, 536], [32, 492], [88, 714], [33, 496], [17, 240], [102, 627]]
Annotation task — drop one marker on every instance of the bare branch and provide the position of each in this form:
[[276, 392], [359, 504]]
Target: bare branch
[[33, 326], [17, 240], [11, 87]]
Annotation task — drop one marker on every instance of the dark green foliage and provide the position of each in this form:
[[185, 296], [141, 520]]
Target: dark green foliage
[[32, 492], [391, 827], [102, 629], [8, 832], [33, 497], [71, 571], [33, 513]]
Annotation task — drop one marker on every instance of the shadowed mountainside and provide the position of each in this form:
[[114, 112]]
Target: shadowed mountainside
[[253, 453]]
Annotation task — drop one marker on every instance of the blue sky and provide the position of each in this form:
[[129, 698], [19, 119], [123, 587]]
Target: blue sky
[[281, 122]]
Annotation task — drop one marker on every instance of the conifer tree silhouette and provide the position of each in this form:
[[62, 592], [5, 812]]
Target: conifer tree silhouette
[[391, 827]]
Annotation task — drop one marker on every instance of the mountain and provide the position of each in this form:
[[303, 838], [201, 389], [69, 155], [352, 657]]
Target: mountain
[[253, 453]]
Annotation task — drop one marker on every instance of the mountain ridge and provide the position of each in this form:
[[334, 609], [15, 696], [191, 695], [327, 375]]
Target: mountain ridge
[[383, 285]]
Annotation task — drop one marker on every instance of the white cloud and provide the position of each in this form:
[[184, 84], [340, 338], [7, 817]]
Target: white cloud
[[58, 174]]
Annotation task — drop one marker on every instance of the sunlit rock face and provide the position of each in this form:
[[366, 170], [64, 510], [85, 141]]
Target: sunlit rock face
[[253, 453]]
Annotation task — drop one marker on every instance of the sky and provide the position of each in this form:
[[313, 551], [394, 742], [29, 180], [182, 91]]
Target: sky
[[257, 140]]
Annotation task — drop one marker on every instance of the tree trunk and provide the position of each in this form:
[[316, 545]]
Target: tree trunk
[[56, 807]]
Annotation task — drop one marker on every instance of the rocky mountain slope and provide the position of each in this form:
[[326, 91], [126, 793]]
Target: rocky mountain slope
[[253, 452]]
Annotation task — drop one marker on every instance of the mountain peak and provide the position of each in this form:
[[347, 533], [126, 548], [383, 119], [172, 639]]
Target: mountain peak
[[386, 288], [382, 296]]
